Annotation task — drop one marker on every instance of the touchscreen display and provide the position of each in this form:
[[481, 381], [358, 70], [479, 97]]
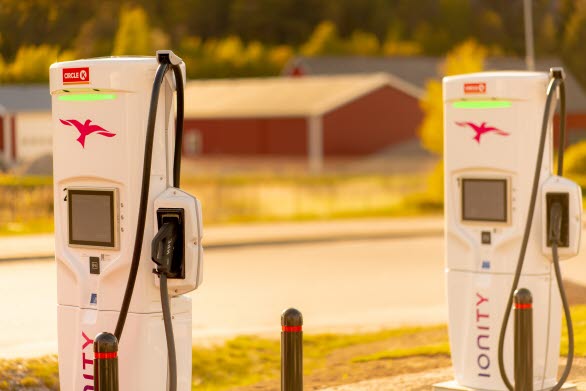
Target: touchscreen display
[[484, 200], [91, 217]]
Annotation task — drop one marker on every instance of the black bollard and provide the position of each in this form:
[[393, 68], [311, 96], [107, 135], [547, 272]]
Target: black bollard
[[291, 350], [105, 362], [523, 340]]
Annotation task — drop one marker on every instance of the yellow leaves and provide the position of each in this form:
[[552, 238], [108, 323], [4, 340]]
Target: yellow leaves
[[32, 63], [364, 44], [467, 57], [325, 41], [133, 35], [431, 129], [279, 55], [229, 50], [323, 37], [254, 52], [401, 48], [230, 57], [575, 160]]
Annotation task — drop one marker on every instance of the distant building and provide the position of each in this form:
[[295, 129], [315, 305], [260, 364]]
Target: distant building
[[315, 116], [334, 106], [25, 123], [417, 70]]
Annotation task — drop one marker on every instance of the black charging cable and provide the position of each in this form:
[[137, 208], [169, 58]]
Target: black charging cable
[[162, 250], [144, 197], [555, 237], [164, 66], [557, 82]]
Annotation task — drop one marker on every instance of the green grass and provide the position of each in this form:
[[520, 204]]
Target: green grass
[[240, 361], [31, 374], [425, 350], [247, 360], [579, 322]]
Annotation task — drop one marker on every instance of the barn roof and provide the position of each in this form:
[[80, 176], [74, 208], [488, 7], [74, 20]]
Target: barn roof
[[416, 70], [18, 98], [282, 96]]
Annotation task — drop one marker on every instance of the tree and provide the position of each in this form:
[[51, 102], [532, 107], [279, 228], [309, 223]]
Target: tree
[[134, 34], [363, 44], [574, 43], [94, 37], [323, 40], [465, 58], [32, 63]]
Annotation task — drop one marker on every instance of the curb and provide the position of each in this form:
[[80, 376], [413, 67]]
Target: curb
[[276, 241]]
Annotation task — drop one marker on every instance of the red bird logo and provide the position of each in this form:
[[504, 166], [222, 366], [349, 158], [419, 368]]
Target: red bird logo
[[482, 129], [86, 129]]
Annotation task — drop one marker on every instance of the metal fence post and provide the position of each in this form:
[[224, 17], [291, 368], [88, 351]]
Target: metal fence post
[[105, 362], [291, 350], [523, 340]]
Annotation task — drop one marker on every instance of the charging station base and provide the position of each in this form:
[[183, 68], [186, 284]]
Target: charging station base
[[454, 386]]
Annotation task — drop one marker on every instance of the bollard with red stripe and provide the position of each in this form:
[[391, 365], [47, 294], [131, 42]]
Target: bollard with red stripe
[[291, 350], [523, 340], [105, 362]]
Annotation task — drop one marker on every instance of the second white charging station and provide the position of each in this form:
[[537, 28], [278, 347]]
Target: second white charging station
[[109, 116], [492, 127]]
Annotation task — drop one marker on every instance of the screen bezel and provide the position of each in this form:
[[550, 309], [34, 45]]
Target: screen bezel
[[112, 193], [506, 200]]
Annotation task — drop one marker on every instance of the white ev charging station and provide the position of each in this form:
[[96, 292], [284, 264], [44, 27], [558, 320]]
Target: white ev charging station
[[118, 208], [500, 193]]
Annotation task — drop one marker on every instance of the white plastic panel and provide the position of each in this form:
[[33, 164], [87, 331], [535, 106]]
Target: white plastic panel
[[492, 127], [557, 184], [142, 355], [477, 302], [174, 198]]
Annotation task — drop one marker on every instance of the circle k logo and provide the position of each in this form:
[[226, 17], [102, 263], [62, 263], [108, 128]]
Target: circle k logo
[[76, 75]]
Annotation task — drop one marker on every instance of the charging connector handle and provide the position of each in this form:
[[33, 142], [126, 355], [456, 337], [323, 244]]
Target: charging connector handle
[[555, 226], [163, 246]]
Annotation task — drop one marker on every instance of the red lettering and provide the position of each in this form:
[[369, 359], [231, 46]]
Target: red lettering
[[479, 315], [482, 299], [87, 341], [86, 361]]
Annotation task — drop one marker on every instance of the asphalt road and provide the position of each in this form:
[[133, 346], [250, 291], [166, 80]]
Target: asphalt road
[[339, 286]]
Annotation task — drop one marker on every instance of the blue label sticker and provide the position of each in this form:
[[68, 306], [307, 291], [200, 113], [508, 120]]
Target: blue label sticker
[[486, 264], [94, 298]]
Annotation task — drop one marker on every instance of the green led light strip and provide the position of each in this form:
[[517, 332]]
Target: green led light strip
[[482, 104], [86, 97]]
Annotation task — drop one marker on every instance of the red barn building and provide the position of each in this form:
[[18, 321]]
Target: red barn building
[[417, 70], [315, 116]]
